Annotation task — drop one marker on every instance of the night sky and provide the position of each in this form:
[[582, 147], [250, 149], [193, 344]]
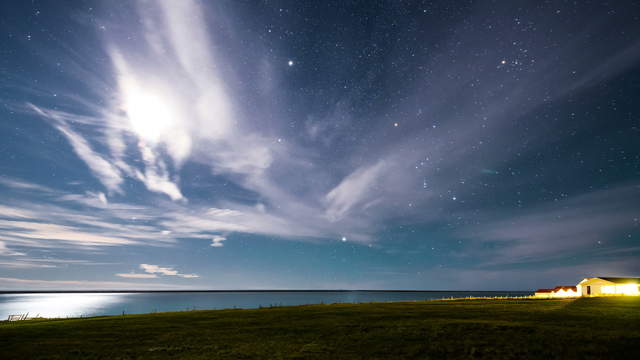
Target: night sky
[[477, 145]]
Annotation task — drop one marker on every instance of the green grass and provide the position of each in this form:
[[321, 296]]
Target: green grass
[[465, 329]]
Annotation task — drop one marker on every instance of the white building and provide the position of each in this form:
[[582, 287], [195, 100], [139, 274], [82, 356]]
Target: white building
[[558, 291], [604, 286]]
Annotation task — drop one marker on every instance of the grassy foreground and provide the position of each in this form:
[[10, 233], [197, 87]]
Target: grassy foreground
[[461, 329]]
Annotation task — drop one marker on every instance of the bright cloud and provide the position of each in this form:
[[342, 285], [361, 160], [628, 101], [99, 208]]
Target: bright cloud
[[8, 252], [352, 190], [217, 241], [155, 269]]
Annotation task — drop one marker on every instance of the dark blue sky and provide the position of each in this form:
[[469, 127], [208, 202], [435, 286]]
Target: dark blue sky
[[318, 144]]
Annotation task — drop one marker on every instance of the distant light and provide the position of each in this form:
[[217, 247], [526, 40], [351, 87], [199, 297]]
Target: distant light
[[454, 198], [344, 239], [396, 124], [621, 289], [290, 63]]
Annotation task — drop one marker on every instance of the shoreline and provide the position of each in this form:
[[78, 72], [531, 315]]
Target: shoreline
[[4, 292], [452, 299]]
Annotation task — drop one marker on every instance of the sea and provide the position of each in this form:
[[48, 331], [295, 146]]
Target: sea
[[85, 304]]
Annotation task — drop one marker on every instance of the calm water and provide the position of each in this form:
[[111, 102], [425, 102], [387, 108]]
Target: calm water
[[92, 304]]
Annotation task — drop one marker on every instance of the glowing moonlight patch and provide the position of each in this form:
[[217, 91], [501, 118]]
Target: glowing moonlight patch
[[151, 116]]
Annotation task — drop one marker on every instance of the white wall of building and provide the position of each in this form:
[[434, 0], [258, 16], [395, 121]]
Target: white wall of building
[[596, 285]]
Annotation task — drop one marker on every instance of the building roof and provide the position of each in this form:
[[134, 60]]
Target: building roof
[[565, 288], [544, 290], [621, 280]]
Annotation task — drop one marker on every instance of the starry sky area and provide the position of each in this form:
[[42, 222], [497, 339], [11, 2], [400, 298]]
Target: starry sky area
[[265, 144]]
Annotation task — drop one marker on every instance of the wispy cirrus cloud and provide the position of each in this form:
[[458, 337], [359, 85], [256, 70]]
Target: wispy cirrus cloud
[[21, 284], [102, 168], [354, 189], [17, 184], [137, 276], [25, 262], [88, 221], [20, 264], [175, 100], [4, 251], [28, 231], [165, 113]]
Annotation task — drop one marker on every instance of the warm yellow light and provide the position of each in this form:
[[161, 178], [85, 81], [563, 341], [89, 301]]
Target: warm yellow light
[[559, 293], [565, 293], [621, 289]]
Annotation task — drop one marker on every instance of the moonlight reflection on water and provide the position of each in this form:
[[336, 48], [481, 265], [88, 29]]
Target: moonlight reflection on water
[[56, 305], [94, 304]]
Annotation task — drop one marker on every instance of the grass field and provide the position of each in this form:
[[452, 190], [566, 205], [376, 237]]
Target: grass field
[[607, 328]]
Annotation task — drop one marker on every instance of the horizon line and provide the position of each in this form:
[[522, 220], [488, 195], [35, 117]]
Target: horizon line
[[2, 292]]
